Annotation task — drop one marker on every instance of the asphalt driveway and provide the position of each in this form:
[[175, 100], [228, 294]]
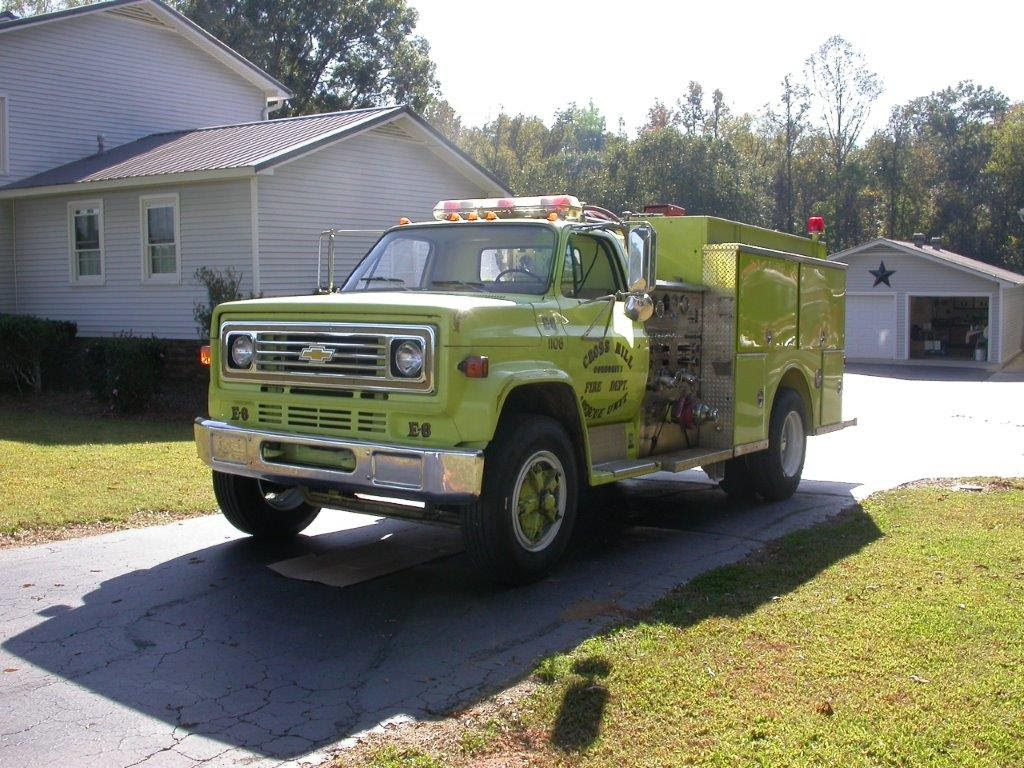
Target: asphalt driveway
[[176, 645]]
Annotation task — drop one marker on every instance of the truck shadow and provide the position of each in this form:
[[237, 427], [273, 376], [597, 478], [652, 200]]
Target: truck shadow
[[214, 643]]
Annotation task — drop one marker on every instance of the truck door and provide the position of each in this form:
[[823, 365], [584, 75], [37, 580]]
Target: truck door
[[607, 353]]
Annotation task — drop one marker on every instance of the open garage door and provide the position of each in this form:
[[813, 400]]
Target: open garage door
[[871, 327], [949, 327]]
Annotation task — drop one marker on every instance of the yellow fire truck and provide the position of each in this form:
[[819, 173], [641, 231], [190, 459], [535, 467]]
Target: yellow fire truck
[[486, 368]]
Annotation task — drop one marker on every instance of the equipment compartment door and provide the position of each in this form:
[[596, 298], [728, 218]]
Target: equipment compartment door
[[750, 407], [832, 387]]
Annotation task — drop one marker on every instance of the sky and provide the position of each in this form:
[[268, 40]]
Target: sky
[[536, 56]]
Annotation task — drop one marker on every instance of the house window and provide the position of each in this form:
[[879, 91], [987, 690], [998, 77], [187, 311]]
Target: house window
[[161, 239], [85, 237], [4, 149]]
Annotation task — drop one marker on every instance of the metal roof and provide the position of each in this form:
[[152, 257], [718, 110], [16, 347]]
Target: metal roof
[[952, 258], [248, 147], [159, 13]]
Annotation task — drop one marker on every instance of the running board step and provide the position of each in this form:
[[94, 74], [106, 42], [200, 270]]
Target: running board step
[[621, 469], [680, 461], [835, 427]]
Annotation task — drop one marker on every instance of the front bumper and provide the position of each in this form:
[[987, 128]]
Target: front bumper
[[438, 476]]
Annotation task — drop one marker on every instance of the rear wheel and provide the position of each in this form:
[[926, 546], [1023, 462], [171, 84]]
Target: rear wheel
[[261, 509], [521, 524], [775, 473]]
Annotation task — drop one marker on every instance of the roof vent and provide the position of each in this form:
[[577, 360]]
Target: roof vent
[[936, 243], [919, 239]]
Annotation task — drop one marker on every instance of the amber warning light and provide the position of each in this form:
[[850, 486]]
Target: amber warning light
[[204, 355], [475, 367]]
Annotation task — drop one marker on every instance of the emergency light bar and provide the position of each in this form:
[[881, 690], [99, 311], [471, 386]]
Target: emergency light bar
[[547, 207]]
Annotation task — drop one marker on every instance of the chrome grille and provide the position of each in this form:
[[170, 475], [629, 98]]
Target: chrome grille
[[328, 355], [350, 355]]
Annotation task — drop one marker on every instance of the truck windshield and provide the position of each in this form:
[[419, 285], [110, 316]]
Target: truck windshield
[[485, 257]]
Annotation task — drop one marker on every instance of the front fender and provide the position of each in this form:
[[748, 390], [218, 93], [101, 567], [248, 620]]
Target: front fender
[[484, 399]]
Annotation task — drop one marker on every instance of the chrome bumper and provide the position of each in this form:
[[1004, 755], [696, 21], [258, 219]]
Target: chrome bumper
[[452, 476]]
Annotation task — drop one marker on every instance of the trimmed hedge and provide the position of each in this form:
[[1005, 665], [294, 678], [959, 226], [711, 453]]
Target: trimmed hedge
[[36, 351], [125, 372]]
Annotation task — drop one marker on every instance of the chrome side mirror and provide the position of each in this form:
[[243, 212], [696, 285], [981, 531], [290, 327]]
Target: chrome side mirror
[[639, 307]]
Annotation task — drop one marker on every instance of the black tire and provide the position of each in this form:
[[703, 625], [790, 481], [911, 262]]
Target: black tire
[[249, 505], [494, 532], [769, 473], [737, 481]]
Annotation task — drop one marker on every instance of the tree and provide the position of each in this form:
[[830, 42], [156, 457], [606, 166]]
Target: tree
[[661, 116], [845, 89], [333, 54], [901, 167], [788, 122], [23, 8], [956, 126], [1005, 171], [691, 108]]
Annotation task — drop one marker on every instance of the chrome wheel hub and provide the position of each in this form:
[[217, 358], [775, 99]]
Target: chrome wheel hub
[[538, 501], [791, 444]]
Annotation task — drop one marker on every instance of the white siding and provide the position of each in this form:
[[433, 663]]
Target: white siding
[[1013, 321], [918, 276], [7, 303], [216, 229], [366, 182], [69, 80]]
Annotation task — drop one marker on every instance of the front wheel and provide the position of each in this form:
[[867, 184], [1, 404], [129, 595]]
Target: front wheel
[[523, 520], [775, 473], [261, 509]]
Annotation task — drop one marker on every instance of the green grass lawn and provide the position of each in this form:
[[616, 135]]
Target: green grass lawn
[[61, 473], [891, 636]]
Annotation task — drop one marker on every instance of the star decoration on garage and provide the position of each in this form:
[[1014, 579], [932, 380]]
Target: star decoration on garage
[[882, 274]]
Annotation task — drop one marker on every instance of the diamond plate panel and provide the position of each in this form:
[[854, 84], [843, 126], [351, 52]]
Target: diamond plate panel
[[717, 384]]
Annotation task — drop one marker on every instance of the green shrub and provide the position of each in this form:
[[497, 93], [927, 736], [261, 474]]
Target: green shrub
[[34, 350], [124, 371], [220, 287]]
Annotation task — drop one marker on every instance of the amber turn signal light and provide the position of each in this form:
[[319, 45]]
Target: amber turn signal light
[[204, 355], [403, 221], [475, 367]]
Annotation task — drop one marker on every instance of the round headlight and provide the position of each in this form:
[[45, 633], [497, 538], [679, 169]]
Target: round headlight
[[242, 350], [409, 358]]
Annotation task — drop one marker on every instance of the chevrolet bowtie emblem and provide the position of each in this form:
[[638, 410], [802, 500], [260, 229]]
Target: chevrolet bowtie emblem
[[316, 354]]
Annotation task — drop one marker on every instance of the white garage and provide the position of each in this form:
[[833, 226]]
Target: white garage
[[917, 301]]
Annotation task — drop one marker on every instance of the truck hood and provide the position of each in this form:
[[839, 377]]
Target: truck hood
[[390, 303]]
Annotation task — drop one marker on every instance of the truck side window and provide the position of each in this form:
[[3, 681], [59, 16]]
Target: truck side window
[[589, 270]]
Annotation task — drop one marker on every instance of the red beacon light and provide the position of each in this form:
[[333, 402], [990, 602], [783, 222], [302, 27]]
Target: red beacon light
[[815, 226]]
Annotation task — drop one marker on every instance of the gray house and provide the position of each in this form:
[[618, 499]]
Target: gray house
[[135, 148], [918, 301]]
